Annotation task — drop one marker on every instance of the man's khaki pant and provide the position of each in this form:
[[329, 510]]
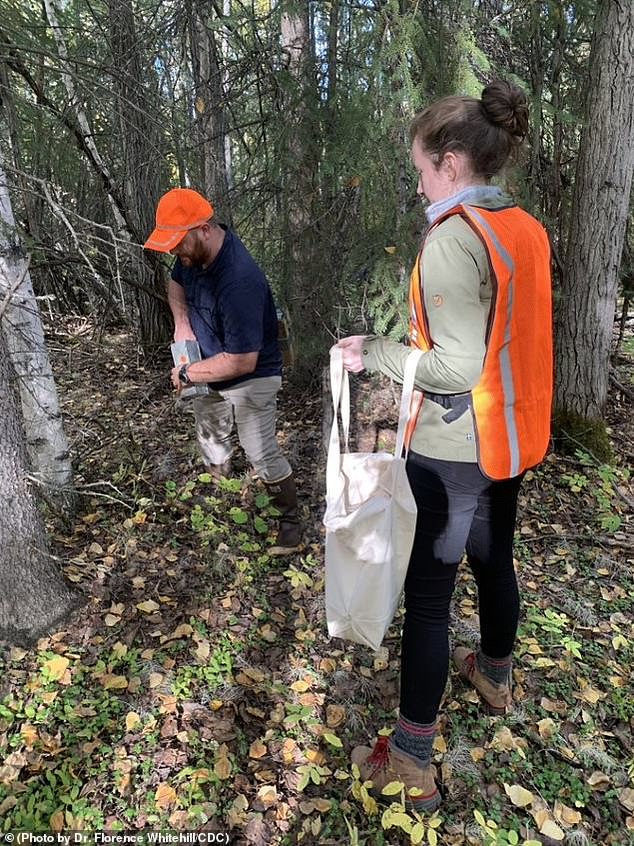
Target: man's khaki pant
[[253, 406]]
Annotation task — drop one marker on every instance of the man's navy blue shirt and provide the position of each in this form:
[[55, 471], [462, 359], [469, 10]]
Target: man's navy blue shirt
[[231, 308]]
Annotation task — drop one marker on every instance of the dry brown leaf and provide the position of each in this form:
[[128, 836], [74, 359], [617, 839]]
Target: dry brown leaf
[[322, 805], [553, 706], [184, 630], [335, 715], [598, 780], [113, 682], [477, 753], [626, 798], [111, 620], [547, 728], [300, 686], [148, 607], [222, 768], [257, 749], [155, 680], [288, 750], [267, 795], [56, 821], [165, 796], [565, 815]]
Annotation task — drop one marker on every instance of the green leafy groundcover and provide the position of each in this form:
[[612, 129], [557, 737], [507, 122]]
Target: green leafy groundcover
[[197, 688]]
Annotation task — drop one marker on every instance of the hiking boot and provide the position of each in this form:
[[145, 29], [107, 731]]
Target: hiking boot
[[386, 763], [219, 471], [496, 697], [284, 497]]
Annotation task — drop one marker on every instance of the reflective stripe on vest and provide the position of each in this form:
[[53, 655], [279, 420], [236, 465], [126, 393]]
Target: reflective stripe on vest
[[512, 400]]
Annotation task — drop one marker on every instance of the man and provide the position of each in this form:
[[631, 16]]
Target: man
[[220, 297]]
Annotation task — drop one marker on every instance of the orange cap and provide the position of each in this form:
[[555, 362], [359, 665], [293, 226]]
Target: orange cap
[[178, 211]]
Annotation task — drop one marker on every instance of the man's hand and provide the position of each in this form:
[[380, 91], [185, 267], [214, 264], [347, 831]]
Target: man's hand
[[352, 353], [176, 382]]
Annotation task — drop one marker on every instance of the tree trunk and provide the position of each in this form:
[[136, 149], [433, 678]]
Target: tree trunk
[[141, 177], [306, 301], [595, 244], [211, 111], [22, 327], [33, 594]]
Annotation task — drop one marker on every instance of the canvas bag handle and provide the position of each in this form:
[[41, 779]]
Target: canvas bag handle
[[340, 388]]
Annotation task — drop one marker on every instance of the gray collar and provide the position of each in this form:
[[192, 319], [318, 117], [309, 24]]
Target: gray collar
[[468, 196]]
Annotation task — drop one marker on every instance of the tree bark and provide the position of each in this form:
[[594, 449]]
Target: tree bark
[[585, 317], [22, 327], [306, 302], [33, 594], [141, 177], [211, 111]]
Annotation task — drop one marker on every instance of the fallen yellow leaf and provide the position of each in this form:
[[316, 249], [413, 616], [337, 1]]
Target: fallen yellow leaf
[[519, 796], [550, 829], [111, 620], [132, 720], [165, 796], [299, 686], [592, 695], [155, 680], [546, 728], [29, 733], [148, 607], [439, 744], [112, 682], [56, 667]]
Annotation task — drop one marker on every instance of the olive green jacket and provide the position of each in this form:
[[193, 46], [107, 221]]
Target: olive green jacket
[[457, 295]]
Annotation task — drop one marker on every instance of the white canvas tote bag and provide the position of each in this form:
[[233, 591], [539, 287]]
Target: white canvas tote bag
[[370, 521]]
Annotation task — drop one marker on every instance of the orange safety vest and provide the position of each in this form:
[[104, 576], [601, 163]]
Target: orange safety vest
[[512, 401]]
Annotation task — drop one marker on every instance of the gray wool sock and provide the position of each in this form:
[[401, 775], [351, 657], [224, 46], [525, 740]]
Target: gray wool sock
[[498, 670], [416, 739]]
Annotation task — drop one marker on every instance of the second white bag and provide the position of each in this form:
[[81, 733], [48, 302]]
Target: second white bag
[[370, 522]]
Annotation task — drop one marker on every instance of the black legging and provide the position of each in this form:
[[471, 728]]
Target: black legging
[[458, 509]]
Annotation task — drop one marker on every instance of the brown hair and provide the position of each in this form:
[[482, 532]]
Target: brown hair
[[486, 130]]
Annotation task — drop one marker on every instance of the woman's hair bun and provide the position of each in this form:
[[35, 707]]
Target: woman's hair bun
[[505, 105]]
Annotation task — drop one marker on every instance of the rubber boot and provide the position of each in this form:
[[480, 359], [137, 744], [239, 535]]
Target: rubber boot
[[284, 497], [496, 697], [386, 763]]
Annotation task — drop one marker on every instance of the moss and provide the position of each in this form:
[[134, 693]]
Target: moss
[[573, 431]]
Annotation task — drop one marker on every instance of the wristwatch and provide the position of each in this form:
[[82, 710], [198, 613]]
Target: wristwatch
[[183, 378]]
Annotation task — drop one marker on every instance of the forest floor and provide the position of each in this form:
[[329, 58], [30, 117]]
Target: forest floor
[[196, 689]]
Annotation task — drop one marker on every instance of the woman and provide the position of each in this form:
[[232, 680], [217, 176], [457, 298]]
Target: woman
[[480, 306]]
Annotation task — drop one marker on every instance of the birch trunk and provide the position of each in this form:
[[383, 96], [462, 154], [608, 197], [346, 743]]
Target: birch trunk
[[21, 325], [33, 594], [598, 220]]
